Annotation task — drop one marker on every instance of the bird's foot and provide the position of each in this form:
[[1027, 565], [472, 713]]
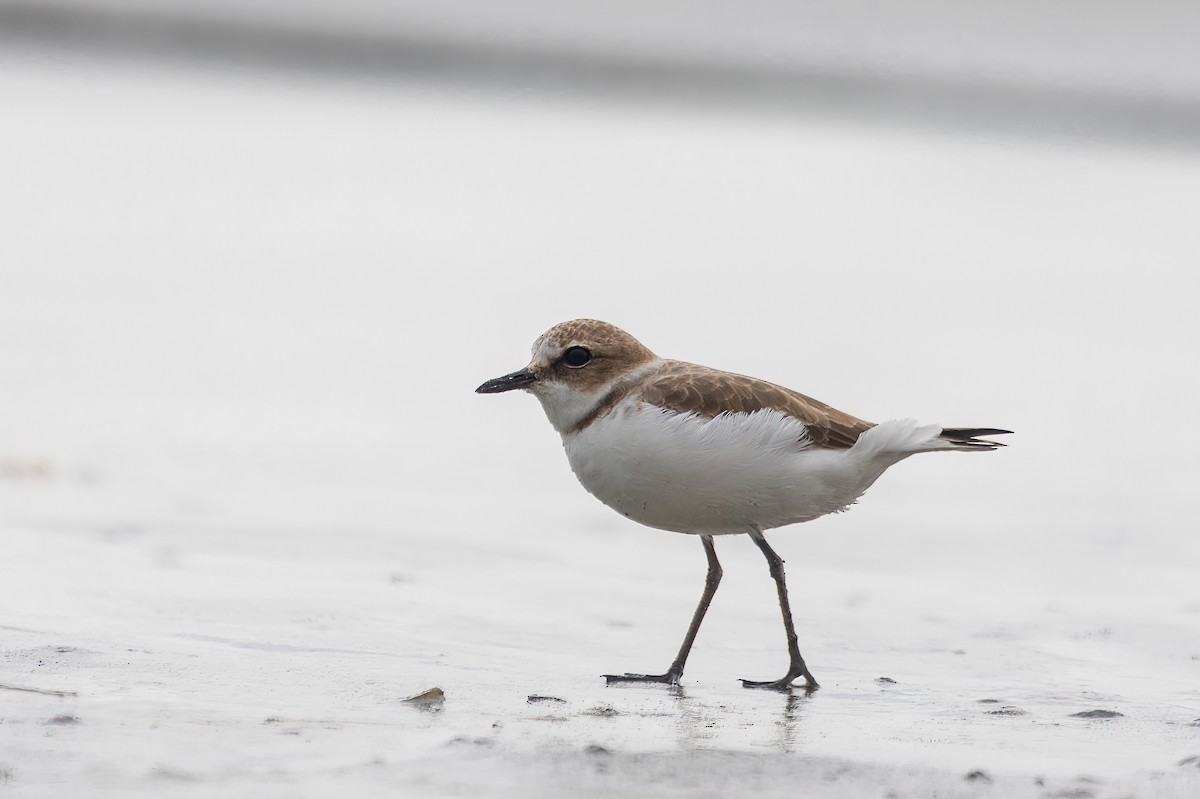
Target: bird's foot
[[784, 684], [670, 678]]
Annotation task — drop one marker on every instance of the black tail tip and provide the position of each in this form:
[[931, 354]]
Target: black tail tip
[[972, 432], [969, 436]]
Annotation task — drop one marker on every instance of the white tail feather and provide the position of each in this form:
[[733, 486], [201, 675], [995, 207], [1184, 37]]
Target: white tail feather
[[905, 437], [901, 437]]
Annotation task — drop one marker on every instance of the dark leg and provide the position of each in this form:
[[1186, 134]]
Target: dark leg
[[710, 588], [797, 667]]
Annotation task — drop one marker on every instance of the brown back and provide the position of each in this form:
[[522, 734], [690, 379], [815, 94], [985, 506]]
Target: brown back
[[689, 388]]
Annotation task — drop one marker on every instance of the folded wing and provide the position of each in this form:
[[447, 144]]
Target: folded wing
[[690, 388]]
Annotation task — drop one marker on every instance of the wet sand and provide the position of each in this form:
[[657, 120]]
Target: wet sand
[[176, 661]]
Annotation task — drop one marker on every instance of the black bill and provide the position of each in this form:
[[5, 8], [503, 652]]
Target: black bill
[[507, 383]]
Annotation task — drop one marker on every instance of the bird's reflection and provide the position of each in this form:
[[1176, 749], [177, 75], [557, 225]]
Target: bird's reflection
[[788, 722], [696, 723], [701, 723]]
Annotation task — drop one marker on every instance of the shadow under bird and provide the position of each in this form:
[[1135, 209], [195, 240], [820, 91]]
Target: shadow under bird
[[690, 449]]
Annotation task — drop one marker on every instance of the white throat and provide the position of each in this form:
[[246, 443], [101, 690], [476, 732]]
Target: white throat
[[566, 406]]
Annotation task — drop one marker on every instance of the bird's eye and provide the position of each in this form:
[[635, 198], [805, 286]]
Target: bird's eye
[[576, 357]]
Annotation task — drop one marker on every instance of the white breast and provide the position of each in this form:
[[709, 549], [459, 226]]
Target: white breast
[[730, 474]]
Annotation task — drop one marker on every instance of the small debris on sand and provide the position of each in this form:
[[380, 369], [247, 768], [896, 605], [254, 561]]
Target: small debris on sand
[[1097, 714], [989, 701], [463, 739], [596, 749], [1007, 710], [428, 700], [602, 711], [885, 681], [977, 776], [63, 720], [1194, 760], [537, 699]]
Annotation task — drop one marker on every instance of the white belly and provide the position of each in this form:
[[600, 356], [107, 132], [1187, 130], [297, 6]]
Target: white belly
[[731, 474]]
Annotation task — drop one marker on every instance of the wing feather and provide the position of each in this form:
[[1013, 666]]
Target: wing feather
[[690, 388]]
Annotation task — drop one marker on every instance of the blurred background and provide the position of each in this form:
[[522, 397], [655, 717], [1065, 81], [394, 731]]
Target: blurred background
[[319, 224], [257, 255]]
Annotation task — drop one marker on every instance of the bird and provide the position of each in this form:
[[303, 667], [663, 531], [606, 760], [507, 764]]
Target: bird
[[691, 449]]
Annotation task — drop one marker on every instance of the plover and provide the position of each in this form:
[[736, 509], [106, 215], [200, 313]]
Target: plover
[[691, 449]]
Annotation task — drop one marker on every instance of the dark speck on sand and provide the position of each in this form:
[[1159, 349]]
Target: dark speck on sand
[[553, 700], [63, 720], [1097, 714]]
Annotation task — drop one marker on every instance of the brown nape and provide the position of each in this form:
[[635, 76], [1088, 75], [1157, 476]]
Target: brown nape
[[689, 388]]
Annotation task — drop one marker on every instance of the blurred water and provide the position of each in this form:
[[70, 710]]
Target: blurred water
[[246, 477], [1077, 70], [1097, 46]]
